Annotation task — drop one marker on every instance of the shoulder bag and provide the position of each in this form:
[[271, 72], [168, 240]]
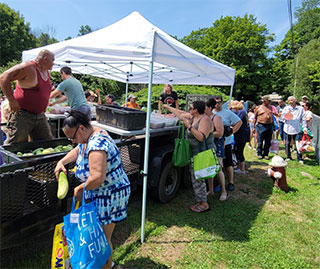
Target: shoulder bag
[[182, 151], [205, 163]]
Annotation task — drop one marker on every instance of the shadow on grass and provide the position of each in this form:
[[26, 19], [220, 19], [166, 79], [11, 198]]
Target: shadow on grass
[[141, 263], [230, 220]]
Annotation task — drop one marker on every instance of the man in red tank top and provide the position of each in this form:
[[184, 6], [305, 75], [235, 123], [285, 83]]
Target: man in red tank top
[[29, 100]]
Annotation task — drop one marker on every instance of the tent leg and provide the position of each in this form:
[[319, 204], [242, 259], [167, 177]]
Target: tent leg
[[231, 92], [146, 153], [127, 86]]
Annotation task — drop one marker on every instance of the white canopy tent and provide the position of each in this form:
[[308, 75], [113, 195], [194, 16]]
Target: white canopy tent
[[133, 50]]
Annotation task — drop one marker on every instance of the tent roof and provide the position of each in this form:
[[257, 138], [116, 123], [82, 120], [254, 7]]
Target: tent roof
[[124, 50]]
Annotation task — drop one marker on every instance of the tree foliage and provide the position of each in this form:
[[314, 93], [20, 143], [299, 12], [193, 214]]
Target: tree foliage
[[182, 91], [306, 29], [84, 29], [240, 43], [308, 73], [15, 35]]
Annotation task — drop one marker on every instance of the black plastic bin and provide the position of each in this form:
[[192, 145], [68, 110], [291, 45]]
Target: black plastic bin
[[121, 117], [13, 189]]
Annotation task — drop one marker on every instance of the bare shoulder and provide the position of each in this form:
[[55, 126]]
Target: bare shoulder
[[21, 71]]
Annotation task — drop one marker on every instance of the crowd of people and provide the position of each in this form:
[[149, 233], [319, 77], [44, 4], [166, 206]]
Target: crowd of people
[[97, 157]]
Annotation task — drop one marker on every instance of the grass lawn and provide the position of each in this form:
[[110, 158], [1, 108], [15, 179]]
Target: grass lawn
[[257, 227]]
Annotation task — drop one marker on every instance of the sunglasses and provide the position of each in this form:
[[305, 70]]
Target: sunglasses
[[218, 102]]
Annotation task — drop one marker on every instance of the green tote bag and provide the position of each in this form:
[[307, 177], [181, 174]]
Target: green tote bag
[[182, 151], [205, 163]]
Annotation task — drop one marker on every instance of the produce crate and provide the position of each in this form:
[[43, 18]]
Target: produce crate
[[121, 117], [31, 146], [13, 189]]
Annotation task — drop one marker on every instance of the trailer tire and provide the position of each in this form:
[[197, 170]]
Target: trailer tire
[[168, 184]]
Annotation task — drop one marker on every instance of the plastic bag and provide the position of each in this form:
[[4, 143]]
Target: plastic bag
[[274, 147], [305, 145], [60, 255], [87, 244]]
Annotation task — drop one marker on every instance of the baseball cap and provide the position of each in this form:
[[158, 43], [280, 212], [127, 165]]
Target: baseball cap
[[131, 96], [305, 97]]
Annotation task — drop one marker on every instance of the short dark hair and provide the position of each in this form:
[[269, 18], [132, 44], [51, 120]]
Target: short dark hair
[[218, 97], [76, 118], [199, 105], [308, 104], [66, 70], [211, 103], [87, 94], [111, 96]]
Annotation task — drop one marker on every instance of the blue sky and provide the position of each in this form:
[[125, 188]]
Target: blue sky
[[176, 17]]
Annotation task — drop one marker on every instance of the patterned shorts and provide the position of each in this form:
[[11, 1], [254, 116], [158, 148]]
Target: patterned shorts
[[111, 204]]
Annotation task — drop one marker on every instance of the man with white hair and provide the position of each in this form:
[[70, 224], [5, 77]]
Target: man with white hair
[[29, 101], [294, 117]]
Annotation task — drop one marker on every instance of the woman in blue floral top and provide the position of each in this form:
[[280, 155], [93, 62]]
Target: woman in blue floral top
[[99, 165]]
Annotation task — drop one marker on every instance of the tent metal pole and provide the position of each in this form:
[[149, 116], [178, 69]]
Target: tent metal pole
[[127, 86], [146, 153], [231, 92]]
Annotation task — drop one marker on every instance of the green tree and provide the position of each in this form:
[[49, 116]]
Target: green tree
[[240, 43], [308, 73], [15, 35], [306, 29], [45, 39], [84, 29]]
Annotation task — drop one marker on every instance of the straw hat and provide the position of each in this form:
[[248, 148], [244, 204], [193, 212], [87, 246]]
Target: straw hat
[[277, 161]]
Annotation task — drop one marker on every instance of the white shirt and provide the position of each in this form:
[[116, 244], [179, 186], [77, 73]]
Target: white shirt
[[292, 127]]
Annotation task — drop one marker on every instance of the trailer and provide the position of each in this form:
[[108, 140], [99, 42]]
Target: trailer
[[29, 204]]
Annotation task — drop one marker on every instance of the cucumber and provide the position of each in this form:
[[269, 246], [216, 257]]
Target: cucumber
[[63, 185]]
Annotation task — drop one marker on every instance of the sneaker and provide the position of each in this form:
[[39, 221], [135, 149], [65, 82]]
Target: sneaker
[[230, 187], [288, 159], [260, 157], [266, 157], [238, 171], [301, 161]]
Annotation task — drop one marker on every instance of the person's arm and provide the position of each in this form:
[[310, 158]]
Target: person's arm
[[99, 96], [98, 168], [177, 104], [304, 122], [17, 72], [236, 126], [55, 93], [205, 127], [59, 101], [254, 119], [69, 158], [159, 106], [182, 115], [218, 124]]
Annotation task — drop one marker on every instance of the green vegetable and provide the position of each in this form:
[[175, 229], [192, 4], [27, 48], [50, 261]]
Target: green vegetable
[[67, 148], [63, 185], [19, 153], [37, 151], [48, 151]]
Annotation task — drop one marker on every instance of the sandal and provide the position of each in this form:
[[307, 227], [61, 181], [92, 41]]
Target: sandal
[[198, 209], [224, 197]]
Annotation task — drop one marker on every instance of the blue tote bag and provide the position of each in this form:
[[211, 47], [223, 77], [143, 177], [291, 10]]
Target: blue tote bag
[[87, 244]]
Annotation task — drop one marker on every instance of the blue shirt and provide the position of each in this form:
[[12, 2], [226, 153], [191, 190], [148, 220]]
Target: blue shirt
[[228, 118], [73, 90], [243, 134]]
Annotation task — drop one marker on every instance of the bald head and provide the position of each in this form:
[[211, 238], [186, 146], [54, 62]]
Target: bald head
[[45, 53], [45, 59]]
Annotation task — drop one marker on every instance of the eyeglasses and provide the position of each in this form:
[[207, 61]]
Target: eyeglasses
[[218, 102], [74, 135]]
